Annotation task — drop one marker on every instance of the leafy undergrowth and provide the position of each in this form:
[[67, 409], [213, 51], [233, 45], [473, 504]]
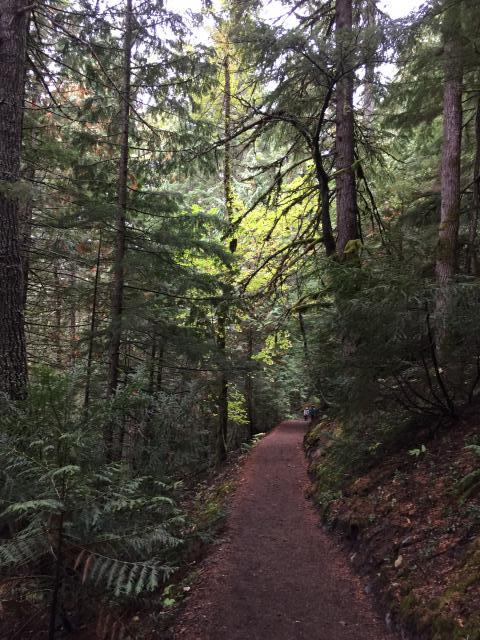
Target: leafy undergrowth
[[205, 505], [412, 518]]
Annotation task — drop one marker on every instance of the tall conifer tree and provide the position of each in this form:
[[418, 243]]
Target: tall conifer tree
[[122, 197], [346, 197], [13, 35], [446, 264]]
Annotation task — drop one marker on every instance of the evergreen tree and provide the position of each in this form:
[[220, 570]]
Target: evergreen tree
[[447, 255], [13, 42], [346, 197], [122, 205]]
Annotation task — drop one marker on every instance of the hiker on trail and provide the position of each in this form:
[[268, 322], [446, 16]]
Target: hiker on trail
[[306, 413], [312, 412]]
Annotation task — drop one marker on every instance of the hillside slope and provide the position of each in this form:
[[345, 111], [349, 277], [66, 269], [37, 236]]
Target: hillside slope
[[410, 530]]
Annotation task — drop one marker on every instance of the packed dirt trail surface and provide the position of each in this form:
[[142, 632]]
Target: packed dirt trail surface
[[277, 575]]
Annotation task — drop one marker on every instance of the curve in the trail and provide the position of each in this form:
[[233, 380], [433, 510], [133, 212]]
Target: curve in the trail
[[278, 576]]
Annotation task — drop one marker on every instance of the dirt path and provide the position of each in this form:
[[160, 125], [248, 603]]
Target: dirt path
[[277, 576]]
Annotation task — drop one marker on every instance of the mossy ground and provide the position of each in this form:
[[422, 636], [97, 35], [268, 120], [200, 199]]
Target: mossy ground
[[398, 509]]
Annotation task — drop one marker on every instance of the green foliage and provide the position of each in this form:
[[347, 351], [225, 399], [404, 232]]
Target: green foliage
[[470, 484], [361, 337], [417, 452], [236, 407], [23, 548], [119, 532], [274, 346], [376, 340], [121, 577]]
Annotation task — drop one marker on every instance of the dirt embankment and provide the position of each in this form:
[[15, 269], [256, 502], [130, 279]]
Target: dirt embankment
[[411, 534]]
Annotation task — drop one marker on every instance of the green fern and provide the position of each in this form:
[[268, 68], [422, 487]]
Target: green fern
[[119, 532], [26, 507], [470, 484], [23, 549], [120, 577]]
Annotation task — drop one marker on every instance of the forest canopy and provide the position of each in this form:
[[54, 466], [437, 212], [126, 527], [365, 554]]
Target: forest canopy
[[208, 220]]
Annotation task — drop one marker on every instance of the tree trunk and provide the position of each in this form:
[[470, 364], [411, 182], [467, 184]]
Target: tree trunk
[[25, 222], [93, 324], [324, 201], [57, 583], [26, 204], [249, 386], [222, 427], [304, 337], [451, 158], [13, 34], [369, 80], [73, 317], [227, 163], [161, 353], [58, 316], [151, 363], [122, 196], [472, 259], [346, 196]]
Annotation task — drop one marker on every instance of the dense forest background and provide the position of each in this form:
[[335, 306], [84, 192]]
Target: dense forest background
[[208, 220]]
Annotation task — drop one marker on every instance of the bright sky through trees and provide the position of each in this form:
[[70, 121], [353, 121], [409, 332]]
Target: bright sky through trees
[[400, 8], [396, 8]]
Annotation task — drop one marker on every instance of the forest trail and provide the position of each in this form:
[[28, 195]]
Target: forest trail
[[277, 575]]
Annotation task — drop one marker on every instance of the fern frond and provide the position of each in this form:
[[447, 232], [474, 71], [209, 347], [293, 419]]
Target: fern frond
[[152, 539], [121, 577], [22, 549], [142, 578], [28, 506], [152, 582], [86, 568], [112, 574], [102, 564], [475, 448], [132, 579], [468, 485], [121, 583]]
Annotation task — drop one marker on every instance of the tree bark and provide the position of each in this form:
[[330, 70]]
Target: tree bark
[[13, 359], [369, 80], [446, 263], [304, 337], [58, 316], [57, 583], [151, 363], [324, 201], [472, 258], [122, 197], [222, 427], [25, 230], [161, 354], [346, 197], [249, 386], [227, 163], [73, 316], [93, 324]]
